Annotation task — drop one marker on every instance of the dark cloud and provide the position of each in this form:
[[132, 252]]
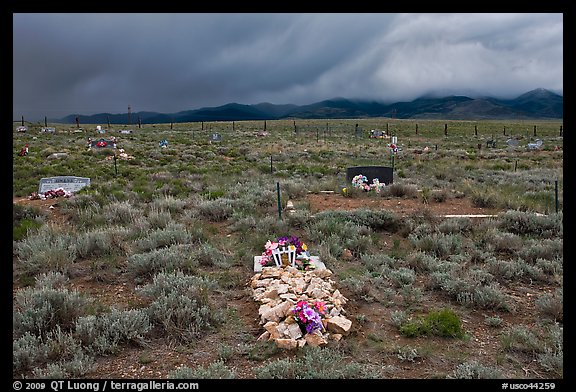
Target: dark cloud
[[90, 63]]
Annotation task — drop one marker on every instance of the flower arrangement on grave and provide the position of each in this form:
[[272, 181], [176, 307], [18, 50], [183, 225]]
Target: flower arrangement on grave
[[361, 182], [291, 243], [50, 194], [309, 316]]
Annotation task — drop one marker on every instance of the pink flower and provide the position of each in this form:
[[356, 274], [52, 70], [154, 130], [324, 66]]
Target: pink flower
[[271, 246]]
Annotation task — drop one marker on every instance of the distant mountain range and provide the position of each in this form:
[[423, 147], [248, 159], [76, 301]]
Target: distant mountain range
[[536, 104]]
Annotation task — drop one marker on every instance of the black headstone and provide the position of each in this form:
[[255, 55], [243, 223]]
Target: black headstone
[[384, 174]]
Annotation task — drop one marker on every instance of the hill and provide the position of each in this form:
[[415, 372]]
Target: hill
[[536, 104]]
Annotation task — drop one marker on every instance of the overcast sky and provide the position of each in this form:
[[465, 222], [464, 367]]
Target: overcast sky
[[67, 63]]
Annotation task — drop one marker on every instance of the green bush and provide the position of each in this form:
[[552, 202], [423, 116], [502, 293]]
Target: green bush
[[443, 323]]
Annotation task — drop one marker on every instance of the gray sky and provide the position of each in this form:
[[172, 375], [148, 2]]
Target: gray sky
[[67, 63]]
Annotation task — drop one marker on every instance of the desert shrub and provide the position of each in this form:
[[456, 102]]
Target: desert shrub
[[506, 243], [316, 363], [475, 370], [407, 353], [360, 285], [420, 261], [398, 318], [46, 250], [216, 370], [40, 310], [487, 297], [553, 267], [551, 305], [546, 249], [378, 262], [27, 351], [181, 305], [400, 190], [168, 204], [216, 210], [174, 233], [347, 234], [122, 212], [443, 323], [102, 241], [170, 258], [504, 269], [402, 276], [437, 244], [25, 219], [158, 218], [520, 338], [410, 295], [526, 223], [379, 220], [486, 199], [493, 321], [207, 255], [104, 333], [52, 371], [456, 225]]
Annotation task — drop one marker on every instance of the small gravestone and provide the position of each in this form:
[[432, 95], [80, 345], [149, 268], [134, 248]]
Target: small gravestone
[[48, 129], [215, 137], [68, 183], [102, 143], [21, 128]]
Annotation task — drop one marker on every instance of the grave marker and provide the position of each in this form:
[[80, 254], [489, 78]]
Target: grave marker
[[21, 128], [384, 174], [68, 183], [48, 129], [216, 137], [102, 143]]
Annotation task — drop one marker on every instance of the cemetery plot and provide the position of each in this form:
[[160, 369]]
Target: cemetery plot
[[102, 143], [68, 183]]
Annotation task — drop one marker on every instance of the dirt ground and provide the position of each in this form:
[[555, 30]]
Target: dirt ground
[[375, 339]]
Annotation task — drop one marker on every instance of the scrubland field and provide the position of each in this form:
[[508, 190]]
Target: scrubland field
[[144, 273]]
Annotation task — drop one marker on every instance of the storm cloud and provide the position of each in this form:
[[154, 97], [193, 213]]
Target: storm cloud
[[92, 63]]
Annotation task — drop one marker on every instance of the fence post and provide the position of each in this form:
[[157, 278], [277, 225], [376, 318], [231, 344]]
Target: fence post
[[279, 205], [416, 129], [556, 194]]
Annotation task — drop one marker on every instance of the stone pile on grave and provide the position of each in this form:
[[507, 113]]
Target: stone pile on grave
[[299, 307], [21, 128], [48, 129]]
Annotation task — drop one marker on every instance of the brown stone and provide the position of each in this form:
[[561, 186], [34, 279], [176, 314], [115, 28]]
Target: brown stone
[[315, 340], [339, 324], [286, 343]]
